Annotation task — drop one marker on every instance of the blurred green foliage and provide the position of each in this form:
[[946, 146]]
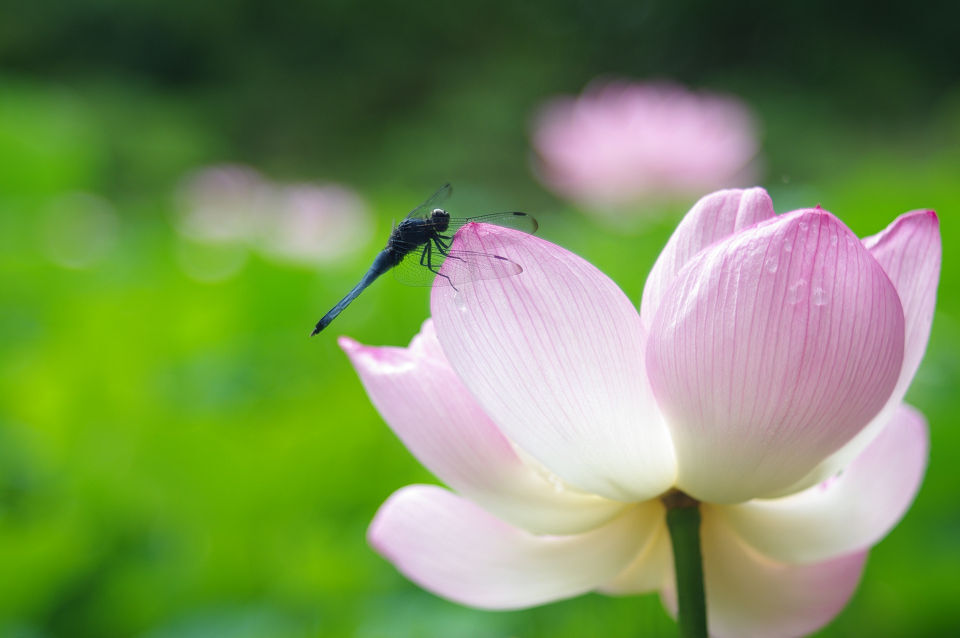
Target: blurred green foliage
[[177, 459]]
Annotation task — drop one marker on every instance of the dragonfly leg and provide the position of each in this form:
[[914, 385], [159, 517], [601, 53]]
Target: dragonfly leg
[[427, 255], [442, 247]]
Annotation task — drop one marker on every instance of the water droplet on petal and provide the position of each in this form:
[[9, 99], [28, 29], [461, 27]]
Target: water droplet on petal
[[803, 225], [460, 301], [772, 266], [797, 292], [787, 248], [819, 297], [833, 240]]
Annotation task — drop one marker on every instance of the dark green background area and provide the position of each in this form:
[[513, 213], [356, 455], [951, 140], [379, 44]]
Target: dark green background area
[[177, 459]]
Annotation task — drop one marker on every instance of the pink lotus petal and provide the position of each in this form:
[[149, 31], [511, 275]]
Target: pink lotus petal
[[426, 405], [713, 218], [848, 513], [909, 251], [454, 549], [555, 356], [771, 350], [749, 596]]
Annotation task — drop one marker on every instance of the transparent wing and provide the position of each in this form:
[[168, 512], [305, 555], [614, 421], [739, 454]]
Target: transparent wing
[[423, 210], [458, 267], [515, 219]]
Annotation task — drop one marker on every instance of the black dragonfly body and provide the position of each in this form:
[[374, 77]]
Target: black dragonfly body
[[420, 244]]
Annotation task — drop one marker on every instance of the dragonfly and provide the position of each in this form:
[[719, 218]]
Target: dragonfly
[[420, 244]]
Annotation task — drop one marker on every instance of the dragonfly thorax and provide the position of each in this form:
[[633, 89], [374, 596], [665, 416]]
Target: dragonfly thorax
[[440, 219]]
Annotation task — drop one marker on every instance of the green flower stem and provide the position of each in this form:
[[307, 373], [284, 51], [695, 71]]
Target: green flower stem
[[683, 520]]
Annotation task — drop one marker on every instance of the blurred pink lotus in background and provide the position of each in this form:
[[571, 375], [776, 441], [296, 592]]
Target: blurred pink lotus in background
[[770, 352], [222, 203], [315, 224], [232, 208], [620, 144]]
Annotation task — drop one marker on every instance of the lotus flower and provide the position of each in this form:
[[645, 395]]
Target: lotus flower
[[316, 224], [222, 203], [763, 376], [620, 143], [235, 205]]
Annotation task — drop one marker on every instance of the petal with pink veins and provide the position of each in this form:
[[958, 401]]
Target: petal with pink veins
[[713, 218], [770, 350], [844, 514], [750, 596], [426, 405], [555, 356], [453, 548], [909, 251]]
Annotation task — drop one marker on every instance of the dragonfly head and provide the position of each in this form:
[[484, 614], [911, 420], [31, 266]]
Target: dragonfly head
[[440, 219]]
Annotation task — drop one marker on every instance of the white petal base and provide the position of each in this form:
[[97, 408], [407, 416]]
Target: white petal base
[[453, 548]]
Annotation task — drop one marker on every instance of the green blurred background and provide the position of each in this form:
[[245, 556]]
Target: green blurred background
[[178, 459]]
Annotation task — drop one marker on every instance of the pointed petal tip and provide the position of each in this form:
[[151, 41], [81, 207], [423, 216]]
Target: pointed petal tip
[[348, 344], [376, 359], [926, 214], [810, 213], [920, 218], [358, 352]]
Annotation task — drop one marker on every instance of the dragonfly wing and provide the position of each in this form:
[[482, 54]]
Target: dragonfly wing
[[515, 220], [424, 210], [464, 267], [418, 268], [457, 267]]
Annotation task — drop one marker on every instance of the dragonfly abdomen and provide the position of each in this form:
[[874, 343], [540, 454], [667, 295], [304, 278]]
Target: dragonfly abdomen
[[386, 260]]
